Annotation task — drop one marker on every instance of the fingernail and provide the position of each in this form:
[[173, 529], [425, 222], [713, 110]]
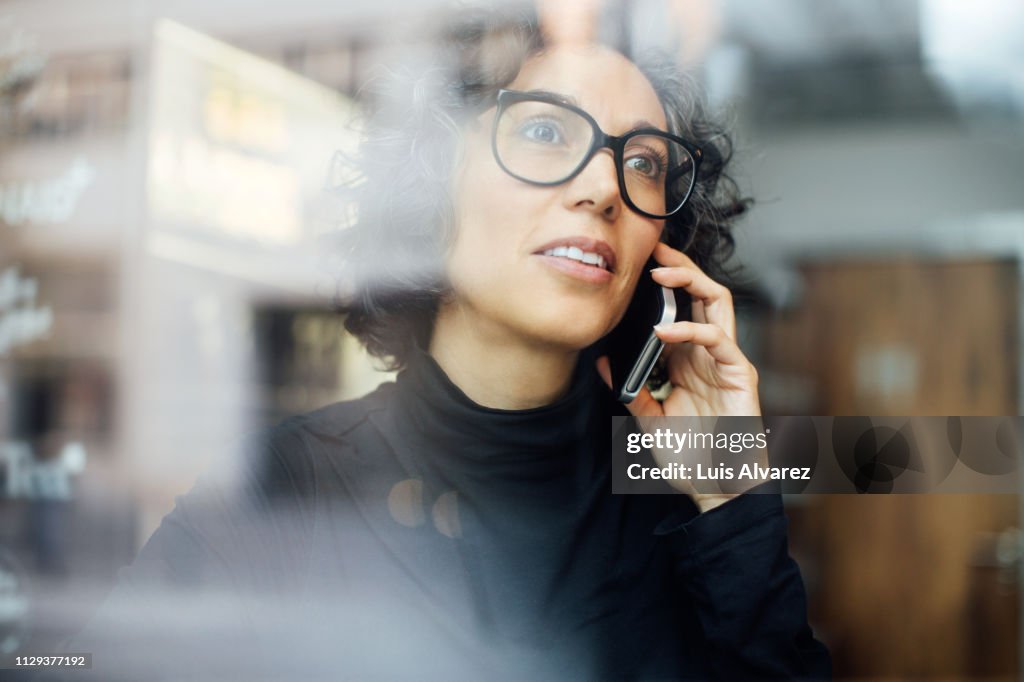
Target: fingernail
[[661, 327], [653, 270]]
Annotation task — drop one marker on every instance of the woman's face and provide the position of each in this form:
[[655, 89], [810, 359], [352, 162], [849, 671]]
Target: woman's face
[[497, 267]]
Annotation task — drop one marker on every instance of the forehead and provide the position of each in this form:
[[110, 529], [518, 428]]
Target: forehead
[[606, 84]]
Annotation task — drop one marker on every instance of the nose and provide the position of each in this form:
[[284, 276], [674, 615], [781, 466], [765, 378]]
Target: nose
[[596, 187]]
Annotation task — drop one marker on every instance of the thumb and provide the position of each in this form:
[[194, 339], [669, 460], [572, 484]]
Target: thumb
[[644, 405]]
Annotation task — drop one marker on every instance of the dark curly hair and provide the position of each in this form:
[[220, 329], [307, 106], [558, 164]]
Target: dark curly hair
[[393, 248]]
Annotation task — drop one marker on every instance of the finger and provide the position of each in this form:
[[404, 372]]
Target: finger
[[644, 405], [679, 270], [697, 311], [712, 302], [721, 347], [666, 255]]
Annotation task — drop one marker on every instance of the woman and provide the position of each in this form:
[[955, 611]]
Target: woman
[[459, 522]]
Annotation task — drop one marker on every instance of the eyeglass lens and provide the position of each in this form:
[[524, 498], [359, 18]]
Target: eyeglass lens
[[546, 143]]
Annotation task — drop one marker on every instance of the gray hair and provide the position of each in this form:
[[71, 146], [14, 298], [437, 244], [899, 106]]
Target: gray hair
[[394, 251]]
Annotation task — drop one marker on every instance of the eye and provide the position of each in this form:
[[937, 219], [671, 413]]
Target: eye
[[649, 163], [543, 130]]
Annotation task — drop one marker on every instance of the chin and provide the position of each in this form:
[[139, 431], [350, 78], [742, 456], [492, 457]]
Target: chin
[[573, 337], [562, 321]]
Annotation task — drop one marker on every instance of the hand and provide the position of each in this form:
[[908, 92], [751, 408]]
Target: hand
[[709, 374]]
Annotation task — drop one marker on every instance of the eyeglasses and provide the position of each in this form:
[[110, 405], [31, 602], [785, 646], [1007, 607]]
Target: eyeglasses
[[542, 140]]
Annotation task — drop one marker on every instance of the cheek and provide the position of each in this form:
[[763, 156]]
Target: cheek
[[639, 250], [483, 237], [493, 210], [637, 254], [470, 192]]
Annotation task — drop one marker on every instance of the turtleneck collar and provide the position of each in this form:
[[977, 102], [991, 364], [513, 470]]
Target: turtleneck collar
[[439, 411]]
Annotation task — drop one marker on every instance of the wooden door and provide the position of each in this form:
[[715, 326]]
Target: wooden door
[[908, 585]]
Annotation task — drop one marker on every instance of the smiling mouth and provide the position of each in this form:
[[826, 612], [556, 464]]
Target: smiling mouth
[[577, 254]]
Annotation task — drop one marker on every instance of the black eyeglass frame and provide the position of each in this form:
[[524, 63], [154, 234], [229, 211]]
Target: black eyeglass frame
[[600, 141]]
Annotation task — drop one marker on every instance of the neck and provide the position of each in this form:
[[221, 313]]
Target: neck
[[496, 369]]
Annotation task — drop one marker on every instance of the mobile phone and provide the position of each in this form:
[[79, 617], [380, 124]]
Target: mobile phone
[[632, 347]]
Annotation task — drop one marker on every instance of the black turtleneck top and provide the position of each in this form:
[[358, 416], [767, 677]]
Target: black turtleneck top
[[413, 533]]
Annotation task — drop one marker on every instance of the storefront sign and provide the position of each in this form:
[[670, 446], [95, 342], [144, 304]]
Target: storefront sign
[[21, 322], [32, 202], [29, 478]]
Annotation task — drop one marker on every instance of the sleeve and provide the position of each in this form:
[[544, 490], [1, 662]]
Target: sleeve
[[734, 563], [195, 594]]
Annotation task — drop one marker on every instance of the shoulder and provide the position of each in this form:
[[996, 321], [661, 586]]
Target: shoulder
[[338, 420], [310, 451]]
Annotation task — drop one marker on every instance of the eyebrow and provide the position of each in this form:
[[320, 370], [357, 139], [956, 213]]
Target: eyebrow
[[569, 99]]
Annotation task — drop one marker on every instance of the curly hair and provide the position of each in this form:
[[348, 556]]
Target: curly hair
[[393, 249]]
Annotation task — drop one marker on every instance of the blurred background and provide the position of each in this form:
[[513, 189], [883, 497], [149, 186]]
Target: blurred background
[[162, 175]]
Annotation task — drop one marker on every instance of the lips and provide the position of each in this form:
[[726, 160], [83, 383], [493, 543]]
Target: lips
[[592, 250]]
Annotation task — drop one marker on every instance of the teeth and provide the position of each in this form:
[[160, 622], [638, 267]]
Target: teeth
[[575, 253]]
